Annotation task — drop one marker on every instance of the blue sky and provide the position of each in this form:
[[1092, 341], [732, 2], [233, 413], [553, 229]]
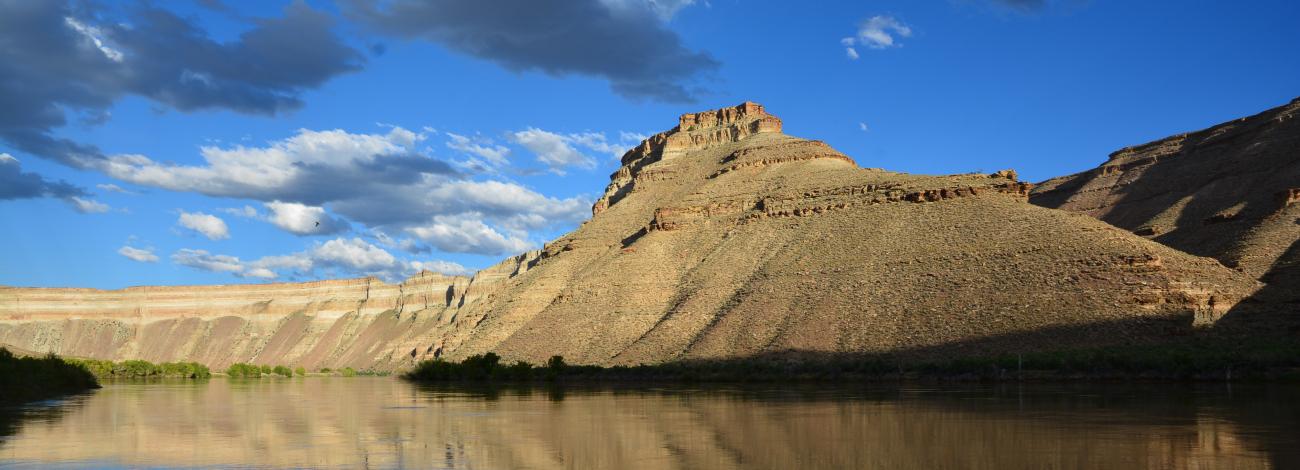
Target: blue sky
[[200, 142]]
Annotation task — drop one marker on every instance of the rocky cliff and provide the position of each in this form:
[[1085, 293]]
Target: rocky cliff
[[1231, 192], [359, 323], [722, 237]]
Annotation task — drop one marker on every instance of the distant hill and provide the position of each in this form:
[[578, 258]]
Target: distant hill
[[1231, 192]]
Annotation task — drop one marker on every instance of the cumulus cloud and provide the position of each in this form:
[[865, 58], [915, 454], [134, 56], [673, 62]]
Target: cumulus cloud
[[339, 256], [438, 266], [493, 154], [247, 211], [877, 32], [863, 126], [625, 42], [16, 184], [302, 219], [553, 150], [405, 244], [559, 151], [138, 254], [69, 57], [201, 259], [378, 180], [354, 254], [467, 234], [208, 225]]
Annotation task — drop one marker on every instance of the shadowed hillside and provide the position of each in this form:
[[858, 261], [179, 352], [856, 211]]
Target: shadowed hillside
[[1231, 192]]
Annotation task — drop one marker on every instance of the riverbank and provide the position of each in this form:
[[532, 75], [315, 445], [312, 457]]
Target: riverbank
[[30, 378], [1204, 359]]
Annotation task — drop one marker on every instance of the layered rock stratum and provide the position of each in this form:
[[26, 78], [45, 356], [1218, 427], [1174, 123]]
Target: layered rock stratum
[[1231, 192], [720, 238]]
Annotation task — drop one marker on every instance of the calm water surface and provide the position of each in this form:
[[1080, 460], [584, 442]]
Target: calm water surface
[[385, 423]]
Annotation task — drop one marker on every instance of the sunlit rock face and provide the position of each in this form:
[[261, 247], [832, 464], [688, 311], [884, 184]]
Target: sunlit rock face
[[360, 323], [720, 238]]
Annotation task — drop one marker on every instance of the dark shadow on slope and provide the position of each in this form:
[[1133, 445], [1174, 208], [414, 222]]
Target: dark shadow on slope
[[1229, 175], [1274, 310]]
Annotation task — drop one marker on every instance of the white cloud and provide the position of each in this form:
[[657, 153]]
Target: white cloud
[[340, 256], [378, 180], [878, 32], [138, 254], [468, 234], [208, 225], [95, 36], [246, 211], [553, 150], [481, 147], [863, 126], [261, 170], [201, 259], [301, 219], [87, 206], [596, 141], [438, 266], [354, 254], [260, 273], [405, 244], [113, 188]]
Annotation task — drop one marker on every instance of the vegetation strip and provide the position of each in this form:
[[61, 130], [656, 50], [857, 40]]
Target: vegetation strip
[[138, 369], [24, 379], [1200, 359]]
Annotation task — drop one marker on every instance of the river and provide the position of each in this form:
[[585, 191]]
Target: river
[[377, 422]]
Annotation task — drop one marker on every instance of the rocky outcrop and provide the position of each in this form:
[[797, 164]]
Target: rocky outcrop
[[748, 243], [720, 238], [696, 131], [360, 323], [1227, 192]]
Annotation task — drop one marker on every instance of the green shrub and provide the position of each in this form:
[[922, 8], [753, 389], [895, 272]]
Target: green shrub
[[282, 371], [243, 370], [348, 372], [25, 379], [299, 371]]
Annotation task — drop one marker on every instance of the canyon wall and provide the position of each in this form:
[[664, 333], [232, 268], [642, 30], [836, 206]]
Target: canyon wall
[[720, 238], [1231, 192], [361, 323]]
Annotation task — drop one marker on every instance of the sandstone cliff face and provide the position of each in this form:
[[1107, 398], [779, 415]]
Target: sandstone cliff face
[[1228, 192], [722, 237], [360, 323], [725, 238]]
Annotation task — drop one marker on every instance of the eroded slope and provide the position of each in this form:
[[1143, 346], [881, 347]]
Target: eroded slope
[[1231, 192], [725, 238]]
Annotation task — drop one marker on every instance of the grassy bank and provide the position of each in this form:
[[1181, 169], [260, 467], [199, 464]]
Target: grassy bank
[[137, 369], [1186, 360], [24, 379], [253, 371]]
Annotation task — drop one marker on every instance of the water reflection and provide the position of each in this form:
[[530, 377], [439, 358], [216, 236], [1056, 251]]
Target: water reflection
[[384, 423]]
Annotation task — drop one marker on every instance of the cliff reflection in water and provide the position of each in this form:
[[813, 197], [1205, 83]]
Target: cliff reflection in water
[[384, 423]]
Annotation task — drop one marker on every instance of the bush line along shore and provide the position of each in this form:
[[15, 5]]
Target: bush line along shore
[[1196, 360], [24, 379]]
